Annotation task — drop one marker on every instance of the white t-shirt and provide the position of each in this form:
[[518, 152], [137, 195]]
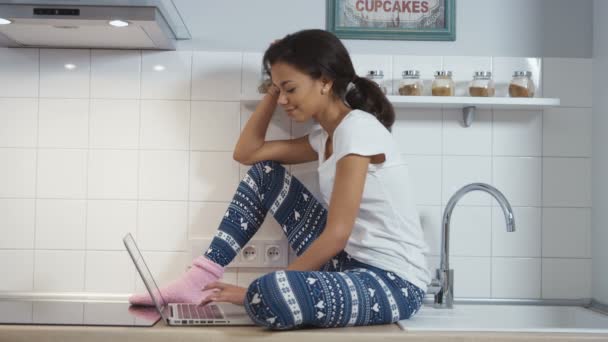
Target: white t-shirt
[[387, 233]]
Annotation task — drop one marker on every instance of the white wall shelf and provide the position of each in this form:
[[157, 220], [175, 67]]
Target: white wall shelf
[[466, 103]]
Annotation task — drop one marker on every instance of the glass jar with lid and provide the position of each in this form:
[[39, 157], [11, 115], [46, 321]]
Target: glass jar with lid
[[482, 84], [378, 77], [411, 85], [443, 84], [521, 85], [265, 82]]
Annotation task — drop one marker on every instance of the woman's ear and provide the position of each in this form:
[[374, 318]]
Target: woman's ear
[[327, 85]]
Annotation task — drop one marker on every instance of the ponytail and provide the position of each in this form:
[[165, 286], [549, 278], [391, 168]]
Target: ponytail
[[366, 95]]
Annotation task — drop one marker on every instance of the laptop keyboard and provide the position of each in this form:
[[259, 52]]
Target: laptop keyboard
[[195, 311]]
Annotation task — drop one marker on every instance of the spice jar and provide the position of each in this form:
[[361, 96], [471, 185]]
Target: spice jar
[[411, 85], [265, 82], [482, 84], [521, 85], [443, 84], [377, 76]]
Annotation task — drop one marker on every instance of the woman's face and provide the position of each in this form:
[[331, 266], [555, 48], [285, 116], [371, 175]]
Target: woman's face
[[300, 95]]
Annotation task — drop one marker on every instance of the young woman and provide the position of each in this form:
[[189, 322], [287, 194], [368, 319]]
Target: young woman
[[360, 248]]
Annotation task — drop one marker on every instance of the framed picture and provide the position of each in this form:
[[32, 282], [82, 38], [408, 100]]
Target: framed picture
[[392, 19]]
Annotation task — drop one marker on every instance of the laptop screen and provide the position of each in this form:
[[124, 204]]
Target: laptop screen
[[145, 274]]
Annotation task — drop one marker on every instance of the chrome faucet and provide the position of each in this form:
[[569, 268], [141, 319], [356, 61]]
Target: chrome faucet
[[443, 285]]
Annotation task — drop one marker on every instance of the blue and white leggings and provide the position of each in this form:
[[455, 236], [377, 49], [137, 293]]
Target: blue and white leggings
[[344, 292]]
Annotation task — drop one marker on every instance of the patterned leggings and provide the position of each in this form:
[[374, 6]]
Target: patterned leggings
[[345, 292]]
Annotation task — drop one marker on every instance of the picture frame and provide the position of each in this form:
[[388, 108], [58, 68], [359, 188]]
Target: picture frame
[[432, 20]]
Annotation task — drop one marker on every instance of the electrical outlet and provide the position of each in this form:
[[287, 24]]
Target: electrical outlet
[[257, 253], [275, 253]]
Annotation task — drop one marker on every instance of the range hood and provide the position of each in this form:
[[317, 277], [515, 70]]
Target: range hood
[[139, 24]]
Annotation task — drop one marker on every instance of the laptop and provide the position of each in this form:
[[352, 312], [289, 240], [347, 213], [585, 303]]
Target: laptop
[[185, 313]]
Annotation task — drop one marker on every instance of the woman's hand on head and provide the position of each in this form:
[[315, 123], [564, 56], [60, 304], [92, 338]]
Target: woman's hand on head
[[224, 293]]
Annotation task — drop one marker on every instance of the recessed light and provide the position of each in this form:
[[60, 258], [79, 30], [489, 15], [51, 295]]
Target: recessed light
[[70, 66], [159, 68], [5, 21], [118, 23]]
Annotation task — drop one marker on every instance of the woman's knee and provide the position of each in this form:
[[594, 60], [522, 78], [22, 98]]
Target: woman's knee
[[261, 306]]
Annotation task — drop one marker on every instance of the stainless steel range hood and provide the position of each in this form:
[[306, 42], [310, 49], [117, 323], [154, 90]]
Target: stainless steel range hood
[[152, 24]]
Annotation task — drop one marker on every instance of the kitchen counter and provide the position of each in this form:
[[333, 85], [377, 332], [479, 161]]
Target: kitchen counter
[[161, 332]]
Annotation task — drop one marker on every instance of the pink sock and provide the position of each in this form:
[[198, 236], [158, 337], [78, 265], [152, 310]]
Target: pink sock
[[187, 288]]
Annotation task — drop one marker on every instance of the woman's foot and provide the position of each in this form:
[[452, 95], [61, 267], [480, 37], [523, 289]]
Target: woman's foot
[[187, 288]]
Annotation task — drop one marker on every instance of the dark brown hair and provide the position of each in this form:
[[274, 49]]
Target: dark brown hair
[[319, 54]]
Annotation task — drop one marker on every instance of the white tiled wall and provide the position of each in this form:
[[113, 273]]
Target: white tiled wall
[[141, 142]]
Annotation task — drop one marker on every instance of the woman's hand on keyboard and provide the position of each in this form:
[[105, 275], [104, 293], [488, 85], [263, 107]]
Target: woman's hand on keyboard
[[224, 293]]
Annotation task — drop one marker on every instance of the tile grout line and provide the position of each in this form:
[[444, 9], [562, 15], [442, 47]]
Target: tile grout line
[[87, 166], [139, 177], [189, 175], [37, 153]]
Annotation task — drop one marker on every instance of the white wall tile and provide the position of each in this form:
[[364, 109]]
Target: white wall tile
[[431, 222], [115, 74], [59, 271], [230, 277], [463, 68], [460, 171], [165, 124], [306, 173], [17, 223], [109, 272], [19, 72], [205, 218], [460, 140], [114, 124], [214, 176], [59, 80], [252, 73], [112, 174], [162, 226], [365, 63], [216, 76], [425, 178], [62, 173], [566, 182], [18, 172], [567, 132], [18, 122], [163, 175], [16, 311], [17, 268], [105, 231], [566, 278], [516, 278], [504, 68], [568, 79], [164, 266], [519, 179], [279, 127], [46, 312], [215, 126], [471, 231], [64, 123], [517, 133], [525, 241], [60, 224], [247, 276], [418, 131], [567, 232], [473, 274], [427, 65], [166, 75]]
